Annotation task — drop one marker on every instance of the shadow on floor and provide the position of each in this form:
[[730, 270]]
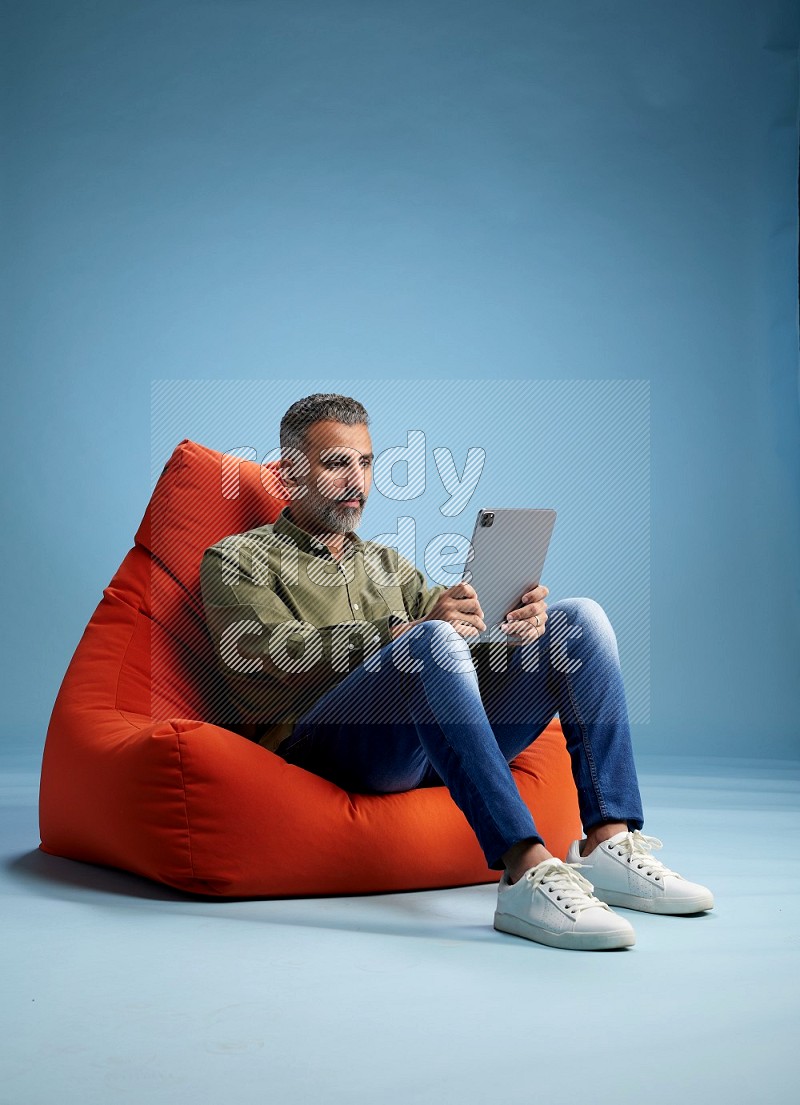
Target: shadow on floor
[[457, 915], [41, 868]]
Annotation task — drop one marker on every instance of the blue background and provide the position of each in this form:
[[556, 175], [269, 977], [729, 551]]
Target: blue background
[[334, 192]]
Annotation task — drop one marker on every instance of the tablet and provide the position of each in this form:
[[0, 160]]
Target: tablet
[[505, 560]]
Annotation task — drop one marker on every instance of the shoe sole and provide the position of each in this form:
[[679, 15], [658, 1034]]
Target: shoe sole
[[674, 907], [579, 941]]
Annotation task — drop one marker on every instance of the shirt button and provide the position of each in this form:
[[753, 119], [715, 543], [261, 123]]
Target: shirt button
[[355, 606]]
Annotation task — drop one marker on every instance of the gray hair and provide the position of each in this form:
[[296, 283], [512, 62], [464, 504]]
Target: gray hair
[[316, 408]]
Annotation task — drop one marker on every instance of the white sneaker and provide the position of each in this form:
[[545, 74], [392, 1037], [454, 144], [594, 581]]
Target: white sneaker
[[624, 872], [552, 904]]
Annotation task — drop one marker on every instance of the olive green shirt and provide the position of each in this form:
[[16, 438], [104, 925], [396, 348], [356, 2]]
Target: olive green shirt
[[289, 621]]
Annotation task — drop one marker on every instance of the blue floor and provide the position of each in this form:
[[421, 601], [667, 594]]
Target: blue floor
[[118, 990]]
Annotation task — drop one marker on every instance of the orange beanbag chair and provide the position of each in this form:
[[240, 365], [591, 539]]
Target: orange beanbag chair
[[136, 775]]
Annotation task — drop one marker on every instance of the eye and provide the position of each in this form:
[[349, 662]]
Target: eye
[[343, 462]]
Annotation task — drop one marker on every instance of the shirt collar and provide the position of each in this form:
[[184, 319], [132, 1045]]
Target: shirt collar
[[307, 541]]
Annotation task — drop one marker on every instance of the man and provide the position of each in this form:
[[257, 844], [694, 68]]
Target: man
[[348, 664]]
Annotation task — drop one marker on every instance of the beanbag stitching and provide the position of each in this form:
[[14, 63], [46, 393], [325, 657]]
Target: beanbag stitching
[[178, 736], [139, 614]]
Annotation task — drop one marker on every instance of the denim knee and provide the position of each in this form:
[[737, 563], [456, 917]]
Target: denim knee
[[434, 642], [581, 617], [584, 610]]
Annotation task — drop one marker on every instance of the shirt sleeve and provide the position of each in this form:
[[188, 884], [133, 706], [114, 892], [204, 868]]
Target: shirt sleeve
[[420, 598], [271, 662]]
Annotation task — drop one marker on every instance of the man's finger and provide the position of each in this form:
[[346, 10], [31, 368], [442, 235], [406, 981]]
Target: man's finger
[[470, 605], [525, 613], [536, 595], [468, 629], [525, 625]]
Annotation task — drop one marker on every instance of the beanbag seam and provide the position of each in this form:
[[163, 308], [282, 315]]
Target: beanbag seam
[[179, 741]]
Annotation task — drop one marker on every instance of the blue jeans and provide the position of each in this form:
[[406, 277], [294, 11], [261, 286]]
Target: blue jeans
[[417, 713]]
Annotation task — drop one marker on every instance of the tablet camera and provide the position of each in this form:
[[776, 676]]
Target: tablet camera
[[487, 518]]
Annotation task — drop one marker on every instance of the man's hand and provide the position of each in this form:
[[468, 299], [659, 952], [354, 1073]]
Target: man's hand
[[459, 605], [527, 621]]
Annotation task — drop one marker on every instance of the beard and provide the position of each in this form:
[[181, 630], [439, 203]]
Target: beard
[[333, 517]]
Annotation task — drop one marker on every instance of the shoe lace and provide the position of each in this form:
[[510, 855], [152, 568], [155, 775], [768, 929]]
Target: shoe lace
[[565, 884], [638, 848]]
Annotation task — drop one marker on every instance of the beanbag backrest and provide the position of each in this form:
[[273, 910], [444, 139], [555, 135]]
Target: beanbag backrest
[[201, 497]]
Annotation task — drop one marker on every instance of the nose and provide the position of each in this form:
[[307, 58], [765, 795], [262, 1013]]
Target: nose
[[353, 479]]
